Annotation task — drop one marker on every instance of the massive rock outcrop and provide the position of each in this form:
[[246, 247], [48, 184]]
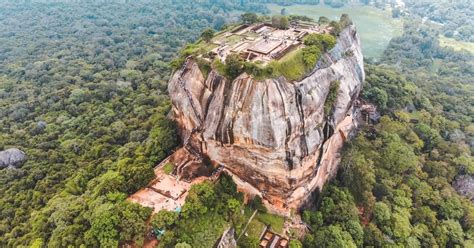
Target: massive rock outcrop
[[273, 134]]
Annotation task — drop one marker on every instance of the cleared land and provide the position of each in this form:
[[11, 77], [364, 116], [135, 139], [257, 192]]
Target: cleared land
[[455, 44], [376, 27]]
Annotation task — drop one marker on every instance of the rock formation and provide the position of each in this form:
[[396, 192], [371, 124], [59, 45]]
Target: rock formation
[[12, 157], [272, 134], [227, 240], [464, 185]]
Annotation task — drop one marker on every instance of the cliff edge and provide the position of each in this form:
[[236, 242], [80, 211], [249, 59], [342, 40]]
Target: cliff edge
[[272, 133]]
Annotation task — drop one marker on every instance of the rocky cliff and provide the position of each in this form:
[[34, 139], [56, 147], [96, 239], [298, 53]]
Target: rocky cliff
[[273, 134]]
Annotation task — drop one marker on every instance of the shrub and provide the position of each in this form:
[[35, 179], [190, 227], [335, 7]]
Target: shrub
[[257, 204], [311, 55], [331, 97], [234, 66], [207, 35], [168, 168], [280, 22], [322, 41]]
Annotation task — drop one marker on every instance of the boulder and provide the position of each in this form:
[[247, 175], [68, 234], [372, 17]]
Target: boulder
[[12, 157], [464, 185]]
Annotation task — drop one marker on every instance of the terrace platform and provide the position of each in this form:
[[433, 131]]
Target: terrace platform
[[262, 42], [168, 191]]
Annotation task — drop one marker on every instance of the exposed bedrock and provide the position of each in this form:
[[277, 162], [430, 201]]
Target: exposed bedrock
[[272, 133], [12, 157]]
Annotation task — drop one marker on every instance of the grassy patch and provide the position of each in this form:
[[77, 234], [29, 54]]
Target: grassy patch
[[455, 44], [198, 48], [168, 168], [254, 230], [292, 66], [275, 221], [219, 67], [231, 40]]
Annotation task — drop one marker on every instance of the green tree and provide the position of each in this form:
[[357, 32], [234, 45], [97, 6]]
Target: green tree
[[136, 173], [313, 218], [280, 22], [323, 20], [162, 138], [382, 214], [234, 66], [207, 35], [234, 208], [345, 20], [429, 136], [311, 55], [110, 181], [356, 231], [164, 219], [359, 175], [451, 208], [294, 243], [373, 236], [377, 96], [397, 156], [332, 237], [182, 245], [449, 234], [257, 204], [249, 18], [400, 225], [200, 199], [249, 242], [335, 28], [132, 223], [103, 230], [324, 42]]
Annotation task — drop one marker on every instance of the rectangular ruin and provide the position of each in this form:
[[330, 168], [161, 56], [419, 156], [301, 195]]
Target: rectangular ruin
[[262, 42]]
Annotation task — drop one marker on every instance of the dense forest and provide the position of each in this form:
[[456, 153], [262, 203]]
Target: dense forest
[[394, 187], [454, 17], [83, 93]]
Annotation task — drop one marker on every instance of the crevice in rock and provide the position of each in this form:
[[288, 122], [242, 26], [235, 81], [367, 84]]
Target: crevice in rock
[[216, 80], [328, 131], [187, 93], [288, 153], [299, 107]]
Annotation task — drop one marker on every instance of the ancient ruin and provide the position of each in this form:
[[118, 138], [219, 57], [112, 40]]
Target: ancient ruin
[[261, 42]]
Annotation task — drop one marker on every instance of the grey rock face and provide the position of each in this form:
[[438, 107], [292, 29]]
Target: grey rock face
[[227, 239], [464, 185], [12, 157], [272, 133]]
